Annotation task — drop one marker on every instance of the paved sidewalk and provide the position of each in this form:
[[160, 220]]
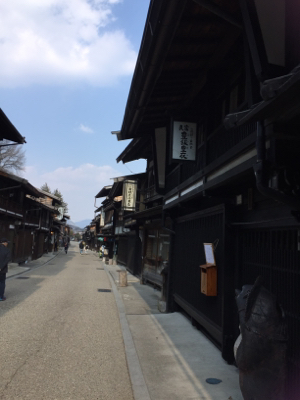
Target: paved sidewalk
[[16, 269], [167, 357]]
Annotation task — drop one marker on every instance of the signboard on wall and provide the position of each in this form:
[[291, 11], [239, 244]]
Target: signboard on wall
[[102, 216], [184, 141], [129, 195], [209, 253], [61, 211]]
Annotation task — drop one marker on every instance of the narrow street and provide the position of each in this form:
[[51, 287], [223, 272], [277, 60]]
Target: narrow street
[[61, 337]]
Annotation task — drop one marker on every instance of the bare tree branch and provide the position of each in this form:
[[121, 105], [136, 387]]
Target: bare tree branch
[[12, 157]]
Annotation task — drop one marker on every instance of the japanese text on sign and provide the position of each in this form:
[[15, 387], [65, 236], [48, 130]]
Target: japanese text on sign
[[129, 195], [184, 140]]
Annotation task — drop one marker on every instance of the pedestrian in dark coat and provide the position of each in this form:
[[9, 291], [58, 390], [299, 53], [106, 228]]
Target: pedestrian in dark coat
[[66, 241], [4, 259], [81, 247]]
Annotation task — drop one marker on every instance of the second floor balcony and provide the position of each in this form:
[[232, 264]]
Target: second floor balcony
[[10, 207]]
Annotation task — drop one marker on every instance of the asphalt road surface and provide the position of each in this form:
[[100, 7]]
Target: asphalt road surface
[[60, 336]]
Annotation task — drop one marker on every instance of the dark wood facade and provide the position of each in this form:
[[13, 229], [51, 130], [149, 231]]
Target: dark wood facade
[[117, 231], [26, 218], [231, 67]]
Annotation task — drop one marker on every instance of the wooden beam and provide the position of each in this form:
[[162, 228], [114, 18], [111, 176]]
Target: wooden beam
[[218, 55], [189, 58], [195, 41], [219, 12], [255, 39]]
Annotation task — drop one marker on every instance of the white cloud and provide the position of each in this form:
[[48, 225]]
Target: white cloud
[[78, 186], [61, 41], [85, 129]]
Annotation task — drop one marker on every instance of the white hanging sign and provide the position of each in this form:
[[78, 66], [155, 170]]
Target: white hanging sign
[[209, 253], [61, 213], [102, 218], [184, 141], [129, 195]]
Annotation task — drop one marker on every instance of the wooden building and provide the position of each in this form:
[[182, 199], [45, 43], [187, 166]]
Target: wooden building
[[26, 218], [18, 216], [214, 108], [30, 218], [147, 219], [53, 218], [119, 232]]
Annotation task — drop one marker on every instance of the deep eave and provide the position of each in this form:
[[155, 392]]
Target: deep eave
[[182, 41], [104, 192], [137, 149], [281, 102], [129, 177], [145, 214], [27, 187], [8, 131]]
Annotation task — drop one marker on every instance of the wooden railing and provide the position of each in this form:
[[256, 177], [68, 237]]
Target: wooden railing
[[218, 143], [9, 205], [149, 193], [222, 140], [32, 219]]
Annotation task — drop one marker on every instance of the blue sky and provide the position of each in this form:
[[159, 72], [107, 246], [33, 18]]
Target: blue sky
[[65, 73]]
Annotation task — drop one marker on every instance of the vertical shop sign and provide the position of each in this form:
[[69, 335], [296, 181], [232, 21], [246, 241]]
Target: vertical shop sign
[[184, 141], [129, 195], [102, 216]]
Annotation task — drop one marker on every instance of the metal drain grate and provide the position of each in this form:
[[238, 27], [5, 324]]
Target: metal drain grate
[[100, 269], [104, 290], [23, 277]]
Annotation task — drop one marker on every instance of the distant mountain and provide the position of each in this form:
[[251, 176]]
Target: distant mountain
[[75, 228], [81, 224]]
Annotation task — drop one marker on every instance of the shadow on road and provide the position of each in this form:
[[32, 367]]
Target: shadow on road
[[20, 287]]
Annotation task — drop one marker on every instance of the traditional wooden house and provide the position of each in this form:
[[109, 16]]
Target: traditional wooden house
[[53, 221], [120, 232], [149, 221], [65, 229], [19, 218], [128, 240], [232, 186], [26, 218], [28, 214], [97, 221], [93, 242], [105, 234], [100, 217]]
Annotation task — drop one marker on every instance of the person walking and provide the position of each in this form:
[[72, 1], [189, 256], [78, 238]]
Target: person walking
[[81, 247], [4, 259], [66, 242]]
